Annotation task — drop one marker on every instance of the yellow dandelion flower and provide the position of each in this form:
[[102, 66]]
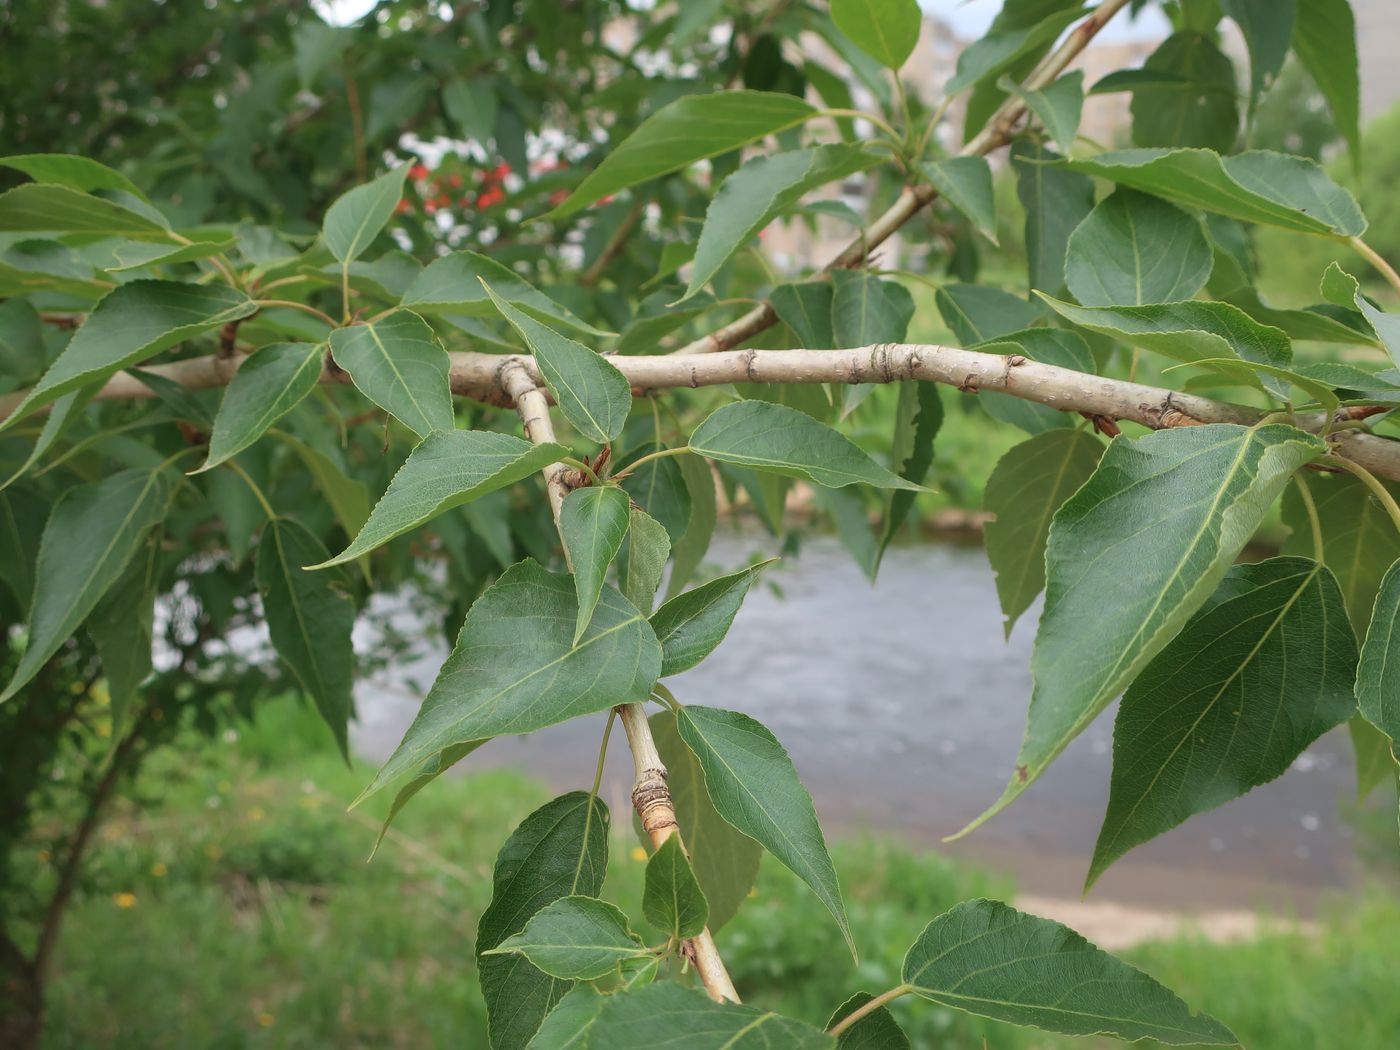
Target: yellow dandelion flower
[[266, 1019], [124, 900], [638, 853], [159, 870]]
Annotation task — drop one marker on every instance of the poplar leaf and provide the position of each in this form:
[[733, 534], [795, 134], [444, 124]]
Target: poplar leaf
[[592, 523], [267, 386], [357, 216], [672, 900], [575, 938], [398, 363]]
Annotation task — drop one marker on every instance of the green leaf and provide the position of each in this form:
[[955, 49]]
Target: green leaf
[[449, 468], [473, 108], [1324, 39], [309, 618], [355, 219], [672, 900], [593, 395], [977, 314], [886, 30], [62, 413], [429, 771], [725, 861], [678, 1018], [575, 939], [567, 1026], [452, 284], [23, 512], [1267, 26], [1378, 676], [1051, 346], [42, 208], [690, 547], [658, 486], [267, 386], [753, 785], [989, 959], [528, 613], [782, 440], [133, 322], [1019, 29], [1320, 323], [763, 188], [1205, 112], [1132, 555], [1056, 202], [918, 417], [348, 497], [91, 536], [398, 363], [1133, 250], [648, 547], [877, 1030], [690, 129], [559, 850], [1271, 189], [592, 523], [1028, 486], [692, 624], [66, 169], [1339, 287], [122, 625], [138, 255], [1387, 326], [966, 184], [1058, 105], [806, 309], [866, 310], [1264, 668], [1375, 760], [22, 353]]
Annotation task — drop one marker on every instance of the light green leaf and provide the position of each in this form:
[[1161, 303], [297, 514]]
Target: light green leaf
[[66, 169], [133, 322], [1205, 112], [91, 536], [575, 939], [1133, 250], [690, 547], [137, 255], [977, 314], [559, 850], [1321, 323], [1056, 202], [725, 861], [42, 208], [866, 309], [530, 614], [1019, 30], [1025, 490], [782, 440], [567, 1026], [473, 108], [886, 30], [1058, 105], [966, 184], [672, 900], [398, 363], [666, 1014], [1378, 676], [1387, 326], [355, 219], [1264, 668], [690, 129], [309, 618], [1373, 755], [1324, 39], [989, 959], [753, 785], [452, 284], [763, 188], [593, 395], [592, 523], [877, 1030], [693, 623], [122, 625], [648, 547], [1271, 189], [806, 309], [267, 386], [1132, 555], [449, 468], [1339, 287]]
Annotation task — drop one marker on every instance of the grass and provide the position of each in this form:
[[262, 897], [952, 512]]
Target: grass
[[235, 909]]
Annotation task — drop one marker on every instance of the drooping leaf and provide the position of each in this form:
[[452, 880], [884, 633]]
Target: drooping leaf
[[690, 547], [267, 386], [782, 440], [659, 487], [1378, 675], [592, 523], [429, 771], [63, 412], [806, 309], [309, 618], [1057, 106], [92, 534], [575, 938], [1203, 112], [559, 850], [753, 785], [966, 184], [1028, 486], [1259, 186], [44, 208], [121, 626], [133, 322], [1264, 668], [566, 1027], [692, 128], [977, 314], [66, 169], [23, 512], [648, 547], [593, 395], [886, 30], [348, 497], [666, 1014], [1056, 202], [1132, 555], [528, 613], [877, 1030], [672, 900], [398, 363], [989, 959], [693, 623], [449, 468], [357, 216], [1267, 26], [1324, 39], [22, 354], [1134, 250], [762, 189], [452, 285]]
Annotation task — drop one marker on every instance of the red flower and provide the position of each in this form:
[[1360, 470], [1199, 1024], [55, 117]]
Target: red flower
[[403, 207], [418, 171], [455, 181], [430, 206]]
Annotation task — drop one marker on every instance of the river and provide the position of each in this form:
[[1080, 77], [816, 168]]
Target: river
[[902, 708]]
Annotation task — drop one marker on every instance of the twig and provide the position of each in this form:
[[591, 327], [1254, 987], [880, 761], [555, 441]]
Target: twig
[[868, 1008], [1375, 259]]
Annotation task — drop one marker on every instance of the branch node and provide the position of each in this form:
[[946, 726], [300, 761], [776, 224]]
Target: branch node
[[651, 798]]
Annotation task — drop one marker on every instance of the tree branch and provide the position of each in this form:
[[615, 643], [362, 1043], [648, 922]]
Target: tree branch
[[996, 134], [650, 795]]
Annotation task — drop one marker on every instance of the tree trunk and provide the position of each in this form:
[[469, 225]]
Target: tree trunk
[[21, 999]]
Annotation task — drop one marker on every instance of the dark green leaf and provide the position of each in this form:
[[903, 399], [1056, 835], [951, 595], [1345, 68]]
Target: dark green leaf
[[122, 625], [918, 417], [472, 107], [886, 30], [1205, 113], [43, 208], [1056, 202], [1051, 346], [267, 386], [689, 549], [1058, 105], [1267, 26], [592, 523], [1324, 39], [1133, 250], [452, 284], [693, 623], [1378, 676], [1020, 29], [659, 487], [22, 354], [574, 939], [568, 1024], [672, 900], [877, 1030], [23, 512], [678, 1018], [648, 547], [348, 497], [977, 313], [966, 184], [806, 309], [398, 363], [355, 219], [138, 255]]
